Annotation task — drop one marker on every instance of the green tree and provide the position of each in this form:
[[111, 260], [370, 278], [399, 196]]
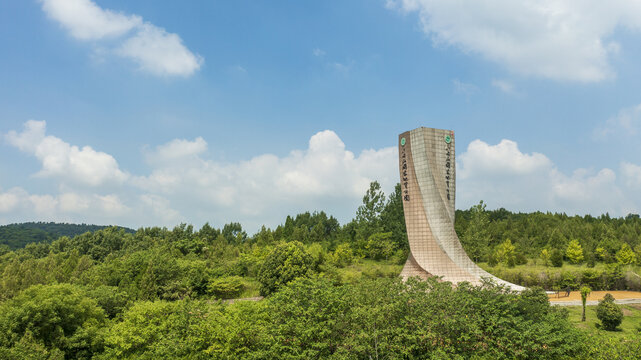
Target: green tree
[[601, 253], [161, 330], [545, 256], [505, 252], [609, 313], [574, 251], [393, 218], [59, 317], [309, 319], [625, 255], [368, 215], [476, 237], [379, 246], [556, 258], [343, 255], [285, 263], [585, 291]]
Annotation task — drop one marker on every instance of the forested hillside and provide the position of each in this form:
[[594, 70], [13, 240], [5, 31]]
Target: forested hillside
[[332, 290], [16, 236]]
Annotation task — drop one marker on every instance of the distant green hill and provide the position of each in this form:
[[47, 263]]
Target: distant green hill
[[19, 235]]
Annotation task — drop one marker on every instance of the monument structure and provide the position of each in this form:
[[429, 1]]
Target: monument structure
[[428, 184]]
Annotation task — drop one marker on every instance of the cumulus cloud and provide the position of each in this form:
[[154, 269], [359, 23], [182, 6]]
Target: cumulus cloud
[[17, 205], [154, 49], [504, 158], [560, 40], [61, 160], [631, 174], [185, 185], [177, 149], [506, 177], [266, 188], [9, 200]]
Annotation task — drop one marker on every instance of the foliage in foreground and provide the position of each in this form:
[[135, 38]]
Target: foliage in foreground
[[309, 318], [609, 313]]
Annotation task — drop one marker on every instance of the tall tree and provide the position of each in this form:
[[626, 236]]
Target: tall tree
[[393, 218], [476, 237], [368, 215], [574, 252]]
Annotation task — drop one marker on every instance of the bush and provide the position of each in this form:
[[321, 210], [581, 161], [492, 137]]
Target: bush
[[227, 287], [343, 255], [58, 318], [609, 313], [312, 319], [285, 263], [379, 246]]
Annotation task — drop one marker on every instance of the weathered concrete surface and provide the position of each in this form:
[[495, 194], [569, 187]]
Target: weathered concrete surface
[[427, 167]]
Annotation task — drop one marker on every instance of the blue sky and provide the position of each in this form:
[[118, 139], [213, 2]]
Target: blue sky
[[148, 113]]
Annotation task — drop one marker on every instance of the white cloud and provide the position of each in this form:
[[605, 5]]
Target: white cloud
[[318, 52], [43, 204], [9, 200], [343, 68], [151, 47], [238, 70], [504, 176], [502, 158], [632, 174], [62, 160], [87, 21], [17, 205], [178, 149], [71, 202], [560, 40], [160, 52], [161, 209], [503, 85], [626, 122], [464, 88], [186, 186], [266, 188]]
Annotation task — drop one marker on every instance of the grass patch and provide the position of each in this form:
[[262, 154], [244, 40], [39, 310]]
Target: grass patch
[[251, 288], [631, 321], [368, 268]]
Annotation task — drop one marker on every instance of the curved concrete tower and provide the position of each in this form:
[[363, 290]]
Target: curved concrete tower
[[428, 183]]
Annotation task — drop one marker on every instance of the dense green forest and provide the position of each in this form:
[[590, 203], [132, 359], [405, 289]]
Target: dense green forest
[[16, 236], [331, 290]]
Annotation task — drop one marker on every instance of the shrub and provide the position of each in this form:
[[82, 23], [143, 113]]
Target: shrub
[[609, 313], [343, 255], [285, 263], [227, 287], [380, 246]]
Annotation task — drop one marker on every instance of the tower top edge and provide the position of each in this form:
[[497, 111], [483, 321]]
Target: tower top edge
[[427, 128]]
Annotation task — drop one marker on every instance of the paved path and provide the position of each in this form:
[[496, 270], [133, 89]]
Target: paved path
[[593, 302]]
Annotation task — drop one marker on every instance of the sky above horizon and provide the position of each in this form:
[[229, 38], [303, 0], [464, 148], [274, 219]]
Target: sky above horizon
[[145, 113]]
